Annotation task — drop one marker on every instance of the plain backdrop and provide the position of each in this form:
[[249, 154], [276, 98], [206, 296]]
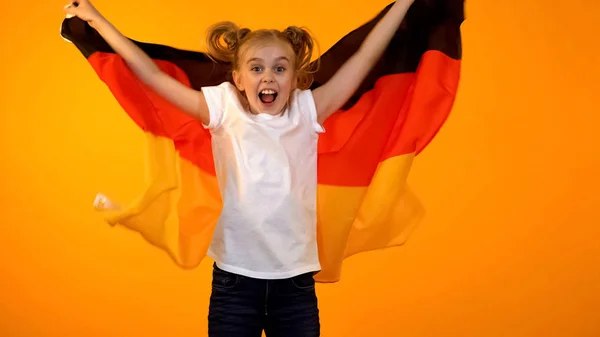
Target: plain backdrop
[[509, 247]]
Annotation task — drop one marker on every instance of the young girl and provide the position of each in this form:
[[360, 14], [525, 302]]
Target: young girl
[[264, 131]]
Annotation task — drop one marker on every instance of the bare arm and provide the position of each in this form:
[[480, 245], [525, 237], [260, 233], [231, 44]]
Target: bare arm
[[331, 96], [190, 101]]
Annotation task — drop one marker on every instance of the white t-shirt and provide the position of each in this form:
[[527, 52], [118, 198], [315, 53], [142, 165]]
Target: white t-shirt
[[267, 172]]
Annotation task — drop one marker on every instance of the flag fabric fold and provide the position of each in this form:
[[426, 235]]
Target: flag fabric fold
[[364, 202]]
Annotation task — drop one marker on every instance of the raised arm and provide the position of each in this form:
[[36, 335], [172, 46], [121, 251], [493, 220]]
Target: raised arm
[[190, 101], [331, 96]]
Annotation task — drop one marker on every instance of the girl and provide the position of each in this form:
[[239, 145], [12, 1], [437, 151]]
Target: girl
[[264, 130]]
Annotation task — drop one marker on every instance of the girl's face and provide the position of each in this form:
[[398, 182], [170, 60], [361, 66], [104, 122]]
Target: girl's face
[[267, 75]]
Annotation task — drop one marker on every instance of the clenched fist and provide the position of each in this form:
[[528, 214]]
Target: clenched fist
[[84, 10]]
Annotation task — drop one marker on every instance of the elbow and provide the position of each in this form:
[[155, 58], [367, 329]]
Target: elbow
[[147, 73], [369, 55], [153, 78]]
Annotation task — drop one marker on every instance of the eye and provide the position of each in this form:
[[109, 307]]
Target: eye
[[279, 69], [255, 68]]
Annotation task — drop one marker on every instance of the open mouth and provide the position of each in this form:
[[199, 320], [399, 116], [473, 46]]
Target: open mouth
[[267, 96]]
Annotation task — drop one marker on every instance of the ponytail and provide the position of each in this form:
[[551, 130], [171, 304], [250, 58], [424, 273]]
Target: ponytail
[[223, 40], [303, 45]]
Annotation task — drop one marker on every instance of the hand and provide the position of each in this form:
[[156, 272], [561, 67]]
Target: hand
[[84, 10]]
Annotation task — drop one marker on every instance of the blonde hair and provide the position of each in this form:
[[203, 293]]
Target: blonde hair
[[226, 42]]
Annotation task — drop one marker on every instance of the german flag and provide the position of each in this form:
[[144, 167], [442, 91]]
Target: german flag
[[364, 159]]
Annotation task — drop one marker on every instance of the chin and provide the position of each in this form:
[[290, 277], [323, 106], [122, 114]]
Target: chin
[[272, 111], [274, 108]]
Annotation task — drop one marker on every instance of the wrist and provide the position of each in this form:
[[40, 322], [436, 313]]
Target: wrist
[[405, 3], [99, 23]]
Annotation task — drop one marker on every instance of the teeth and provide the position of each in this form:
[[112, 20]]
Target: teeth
[[268, 92]]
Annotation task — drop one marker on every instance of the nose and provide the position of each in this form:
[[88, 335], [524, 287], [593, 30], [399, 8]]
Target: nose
[[268, 77]]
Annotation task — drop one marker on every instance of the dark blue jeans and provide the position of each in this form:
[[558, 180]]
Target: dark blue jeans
[[243, 307]]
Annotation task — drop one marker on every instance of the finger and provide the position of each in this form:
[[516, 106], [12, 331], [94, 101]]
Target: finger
[[70, 10], [72, 4]]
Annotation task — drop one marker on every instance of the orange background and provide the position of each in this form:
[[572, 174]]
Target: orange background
[[509, 247]]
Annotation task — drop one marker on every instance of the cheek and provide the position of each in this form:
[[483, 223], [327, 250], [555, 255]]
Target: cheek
[[291, 86], [250, 83], [289, 82], [294, 81]]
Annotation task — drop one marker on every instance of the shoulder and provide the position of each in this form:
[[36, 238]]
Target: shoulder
[[304, 102], [217, 98], [218, 92]]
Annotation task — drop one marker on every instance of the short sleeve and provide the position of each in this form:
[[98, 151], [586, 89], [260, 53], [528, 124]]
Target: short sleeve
[[216, 99], [307, 105]]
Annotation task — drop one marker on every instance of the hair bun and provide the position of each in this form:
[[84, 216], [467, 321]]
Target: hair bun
[[242, 33], [223, 39], [302, 44], [297, 36]]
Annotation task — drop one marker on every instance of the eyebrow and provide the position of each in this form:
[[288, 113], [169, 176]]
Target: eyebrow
[[259, 59]]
